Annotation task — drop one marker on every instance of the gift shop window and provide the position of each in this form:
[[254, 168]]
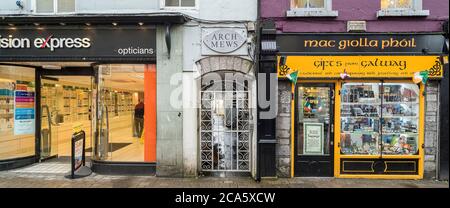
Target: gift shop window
[[379, 119]]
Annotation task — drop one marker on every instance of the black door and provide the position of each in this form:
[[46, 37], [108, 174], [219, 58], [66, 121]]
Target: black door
[[314, 130]]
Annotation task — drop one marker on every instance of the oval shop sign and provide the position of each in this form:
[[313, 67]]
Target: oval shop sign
[[224, 40]]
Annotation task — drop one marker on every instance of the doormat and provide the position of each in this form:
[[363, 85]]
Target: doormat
[[112, 147]]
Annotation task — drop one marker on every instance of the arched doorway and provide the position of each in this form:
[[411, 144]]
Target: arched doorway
[[225, 126]]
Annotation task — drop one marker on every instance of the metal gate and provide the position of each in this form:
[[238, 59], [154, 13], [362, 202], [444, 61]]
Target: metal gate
[[224, 130]]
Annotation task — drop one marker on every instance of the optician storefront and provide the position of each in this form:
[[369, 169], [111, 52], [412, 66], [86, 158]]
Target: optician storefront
[[87, 72], [356, 102]]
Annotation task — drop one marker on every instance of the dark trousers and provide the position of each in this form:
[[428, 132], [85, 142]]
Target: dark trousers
[[139, 126]]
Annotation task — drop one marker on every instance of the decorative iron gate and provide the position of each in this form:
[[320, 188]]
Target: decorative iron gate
[[225, 131]]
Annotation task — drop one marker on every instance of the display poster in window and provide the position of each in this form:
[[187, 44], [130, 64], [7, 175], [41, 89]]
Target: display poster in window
[[313, 138], [24, 110]]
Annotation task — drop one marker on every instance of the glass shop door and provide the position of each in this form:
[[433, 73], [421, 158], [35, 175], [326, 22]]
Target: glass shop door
[[314, 130]]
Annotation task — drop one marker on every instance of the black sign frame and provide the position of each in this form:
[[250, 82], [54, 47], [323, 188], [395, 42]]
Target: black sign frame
[[424, 43], [101, 44], [81, 135]]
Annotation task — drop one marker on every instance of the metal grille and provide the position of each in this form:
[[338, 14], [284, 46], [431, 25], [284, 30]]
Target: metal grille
[[225, 131]]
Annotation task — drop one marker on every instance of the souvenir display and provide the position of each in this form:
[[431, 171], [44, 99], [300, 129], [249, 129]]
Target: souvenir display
[[379, 118]]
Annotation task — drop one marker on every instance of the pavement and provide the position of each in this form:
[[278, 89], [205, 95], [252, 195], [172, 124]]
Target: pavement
[[44, 180], [51, 175]]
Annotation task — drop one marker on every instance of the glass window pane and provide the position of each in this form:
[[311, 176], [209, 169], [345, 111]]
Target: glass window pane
[[396, 4], [17, 112], [188, 3], [360, 119], [123, 112], [66, 5], [313, 121], [44, 6], [316, 4], [299, 3], [172, 3], [400, 119]]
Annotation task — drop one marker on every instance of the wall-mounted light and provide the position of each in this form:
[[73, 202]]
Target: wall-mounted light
[[62, 23], [114, 23], [11, 24], [36, 24], [141, 23], [19, 4], [87, 24]]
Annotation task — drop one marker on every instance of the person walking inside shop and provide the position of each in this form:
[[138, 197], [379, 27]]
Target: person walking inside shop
[[139, 118]]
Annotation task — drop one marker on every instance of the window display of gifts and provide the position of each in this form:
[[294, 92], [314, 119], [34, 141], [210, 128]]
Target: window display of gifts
[[398, 109], [357, 143], [399, 144], [398, 125], [363, 93]]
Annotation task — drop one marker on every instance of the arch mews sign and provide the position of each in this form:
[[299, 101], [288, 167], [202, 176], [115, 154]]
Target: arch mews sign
[[221, 41]]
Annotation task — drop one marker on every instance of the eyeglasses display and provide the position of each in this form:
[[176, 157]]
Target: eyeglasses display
[[379, 118]]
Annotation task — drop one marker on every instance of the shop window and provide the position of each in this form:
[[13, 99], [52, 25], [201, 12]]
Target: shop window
[[17, 112], [402, 8], [306, 8], [379, 118], [179, 3], [54, 6]]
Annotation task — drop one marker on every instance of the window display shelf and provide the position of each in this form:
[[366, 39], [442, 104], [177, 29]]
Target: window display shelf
[[361, 103], [400, 116], [361, 117]]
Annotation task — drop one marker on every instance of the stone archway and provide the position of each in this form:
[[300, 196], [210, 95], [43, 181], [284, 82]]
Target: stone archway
[[224, 63], [225, 116]]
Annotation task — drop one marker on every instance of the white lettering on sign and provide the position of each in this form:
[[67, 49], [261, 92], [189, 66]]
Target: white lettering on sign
[[224, 40], [50, 42]]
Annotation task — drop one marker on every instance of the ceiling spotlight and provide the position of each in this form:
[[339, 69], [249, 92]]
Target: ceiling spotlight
[[141, 23], [114, 23]]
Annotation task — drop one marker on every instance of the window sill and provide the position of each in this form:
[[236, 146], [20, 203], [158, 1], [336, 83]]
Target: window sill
[[402, 13], [311, 13]]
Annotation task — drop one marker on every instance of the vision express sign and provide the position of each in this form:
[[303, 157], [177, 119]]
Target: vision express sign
[[78, 44], [361, 43]]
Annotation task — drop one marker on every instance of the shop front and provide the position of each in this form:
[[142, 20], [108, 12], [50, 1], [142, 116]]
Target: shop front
[[357, 104], [83, 74]]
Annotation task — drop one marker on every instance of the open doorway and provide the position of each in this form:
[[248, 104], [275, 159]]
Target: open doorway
[[66, 103]]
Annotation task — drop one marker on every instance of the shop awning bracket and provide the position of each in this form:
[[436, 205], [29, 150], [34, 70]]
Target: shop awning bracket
[[168, 39]]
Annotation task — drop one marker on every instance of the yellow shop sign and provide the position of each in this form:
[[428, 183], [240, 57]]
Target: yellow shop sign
[[359, 66]]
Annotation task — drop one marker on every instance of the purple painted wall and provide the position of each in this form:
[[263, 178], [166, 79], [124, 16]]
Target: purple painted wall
[[356, 10]]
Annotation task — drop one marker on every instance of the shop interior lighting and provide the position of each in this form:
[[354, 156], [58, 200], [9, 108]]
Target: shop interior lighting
[[87, 24], [62, 23], [141, 23], [114, 23], [36, 24], [11, 24]]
